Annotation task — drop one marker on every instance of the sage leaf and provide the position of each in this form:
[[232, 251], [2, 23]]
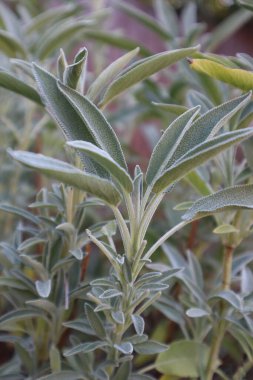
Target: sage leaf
[[207, 125], [19, 315], [94, 321], [110, 293], [70, 175], [111, 71], [85, 347], [168, 144], [183, 359], [116, 40], [73, 73], [195, 312], [125, 347], [20, 212], [143, 18], [198, 155], [104, 159], [225, 229], [246, 4], [95, 122], [12, 83], [123, 372], [223, 200], [50, 16], [11, 45], [230, 297], [143, 69], [58, 34], [118, 317], [239, 78], [43, 288], [150, 347], [138, 323]]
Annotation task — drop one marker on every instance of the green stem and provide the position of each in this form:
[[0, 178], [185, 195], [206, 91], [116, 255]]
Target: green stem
[[222, 325], [163, 238]]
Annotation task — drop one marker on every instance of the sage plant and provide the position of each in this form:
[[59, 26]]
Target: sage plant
[[114, 304]]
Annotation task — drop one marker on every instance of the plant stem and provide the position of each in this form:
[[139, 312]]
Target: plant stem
[[221, 327], [163, 238]]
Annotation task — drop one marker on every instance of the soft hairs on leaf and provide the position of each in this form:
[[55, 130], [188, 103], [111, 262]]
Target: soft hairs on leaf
[[199, 155], [64, 114], [96, 123], [167, 144], [70, 175], [230, 198], [143, 69], [104, 159]]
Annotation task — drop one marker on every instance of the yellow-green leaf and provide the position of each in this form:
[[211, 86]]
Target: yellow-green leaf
[[239, 78]]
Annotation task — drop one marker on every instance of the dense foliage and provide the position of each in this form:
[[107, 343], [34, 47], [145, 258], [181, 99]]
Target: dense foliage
[[106, 271]]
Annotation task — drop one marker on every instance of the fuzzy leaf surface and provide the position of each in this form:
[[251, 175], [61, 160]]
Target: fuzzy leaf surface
[[168, 144], [143, 69], [85, 347], [69, 174], [105, 160], [11, 83], [95, 122], [198, 155], [227, 199], [105, 77]]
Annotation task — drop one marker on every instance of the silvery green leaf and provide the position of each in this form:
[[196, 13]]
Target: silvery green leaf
[[43, 304], [73, 73], [50, 16], [102, 282], [145, 278], [207, 125], [19, 315], [143, 69], [43, 288], [143, 18], [77, 253], [125, 347], [195, 98], [150, 347], [95, 321], [138, 323], [195, 312], [69, 174], [134, 339], [155, 286], [246, 281], [115, 39], [105, 77], [11, 46], [85, 347], [230, 297], [174, 109], [123, 372], [80, 325], [227, 199], [12, 83], [118, 317], [110, 293], [183, 206], [95, 122], [58, 34], [104, 159], [199, 155], [20, 212], [167, 144], [31, 242], [241, 261], [246, 3], [64, 114]]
